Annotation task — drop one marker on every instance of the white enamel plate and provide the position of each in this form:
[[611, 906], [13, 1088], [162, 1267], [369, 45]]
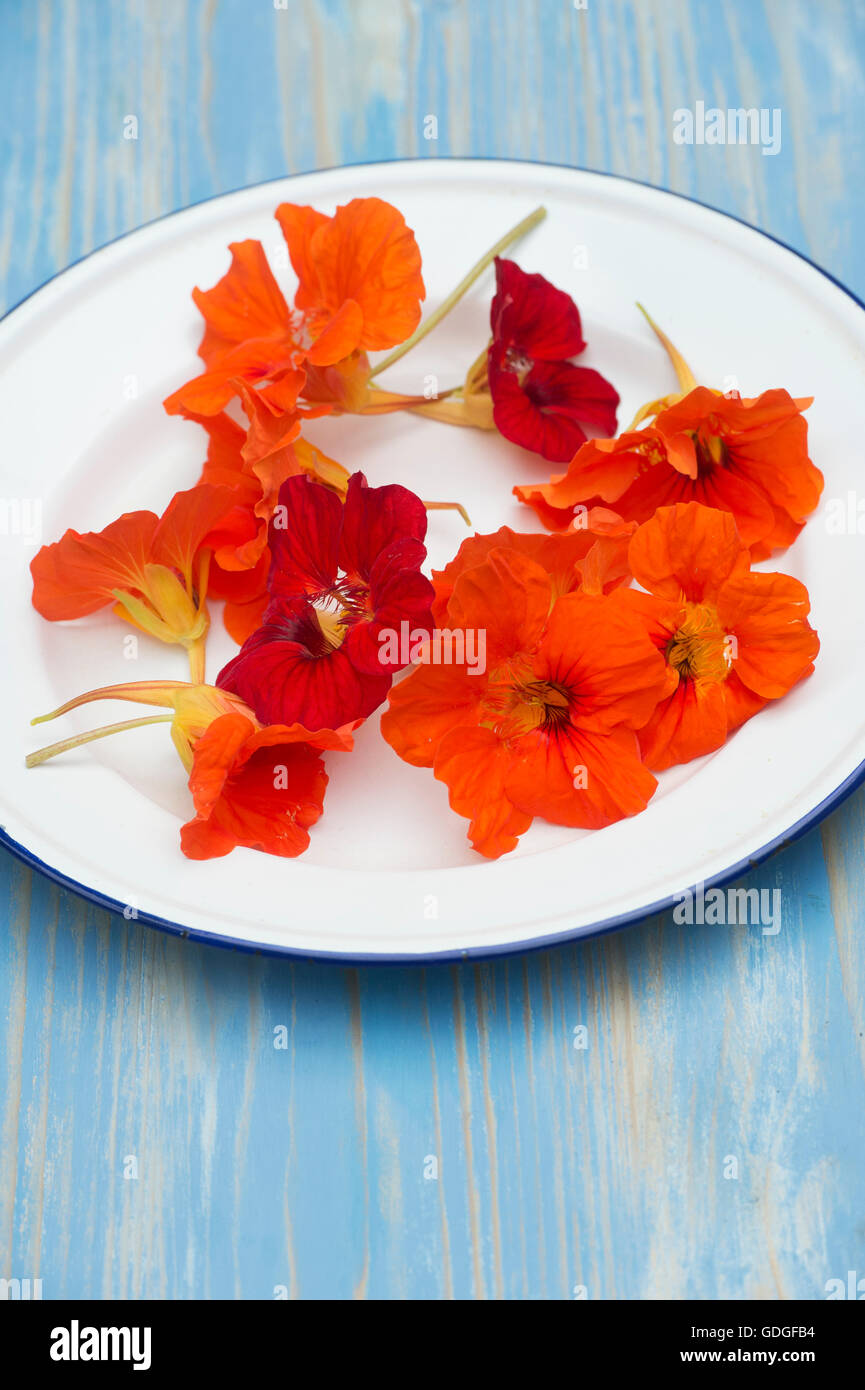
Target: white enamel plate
[[84, 365]]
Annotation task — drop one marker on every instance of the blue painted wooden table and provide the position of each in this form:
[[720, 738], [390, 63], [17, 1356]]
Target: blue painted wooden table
[[178, 1121]]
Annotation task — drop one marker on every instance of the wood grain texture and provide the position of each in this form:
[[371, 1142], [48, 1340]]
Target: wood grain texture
[[307, 1168]]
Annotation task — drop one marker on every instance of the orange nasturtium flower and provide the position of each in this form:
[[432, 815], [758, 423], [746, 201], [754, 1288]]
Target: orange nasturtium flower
[[732, 640], [259, 786], [748, 457], [359, 272], [360, 289], [153, 569], [548, 728]]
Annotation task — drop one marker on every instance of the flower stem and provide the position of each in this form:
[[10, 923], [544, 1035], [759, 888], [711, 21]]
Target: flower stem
[[449, 507], [465, 284], [384, 402], [197, 658], [139, 692], [43, 754], [475, 411], [687, 380]]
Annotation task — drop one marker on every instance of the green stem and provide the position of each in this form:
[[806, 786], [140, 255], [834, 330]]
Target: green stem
[[465, 284], [43, 754]]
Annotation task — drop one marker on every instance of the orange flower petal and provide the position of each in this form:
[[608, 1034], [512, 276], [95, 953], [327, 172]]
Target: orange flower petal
[[602, 468], [687, 550], [225, 439], [242, 619], [740, 703], [765, 446], [78, 574], [243, 806], [775, 644], [339, 337], [299, 225], [187, 523], [598, 548], [260, 788], [601, 651], [611, 781], [256, 360], [689, 724], [317, 464], [424, 706], [246, 303], [507, 597], [474, 765], [364, 253]]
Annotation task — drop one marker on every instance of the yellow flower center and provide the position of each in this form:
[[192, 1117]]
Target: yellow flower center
[[698, 649], [710, 447], [516, 703]]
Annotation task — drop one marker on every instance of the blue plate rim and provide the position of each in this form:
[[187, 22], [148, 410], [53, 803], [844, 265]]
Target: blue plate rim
[[573, 935]]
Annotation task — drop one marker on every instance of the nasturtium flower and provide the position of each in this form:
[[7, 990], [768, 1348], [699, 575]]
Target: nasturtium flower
[[253, 786], [732, 640], [549, 728], [525, 384], [342, 577], [261, 788], [154, 570], [541, 400], [360, 289], [748, 457], [359, 272]]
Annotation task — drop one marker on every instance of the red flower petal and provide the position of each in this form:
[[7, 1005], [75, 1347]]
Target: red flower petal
[[374, 518], [340, 575], [304, 538], [542, 411], [398, 593], [286, 674], [532, 316]]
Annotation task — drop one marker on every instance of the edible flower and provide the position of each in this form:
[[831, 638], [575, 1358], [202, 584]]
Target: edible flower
[[525, 384], [732, 640], [154, 570], [549, 728], [360, 289], [342, 577], [745, 456], [252, 786]]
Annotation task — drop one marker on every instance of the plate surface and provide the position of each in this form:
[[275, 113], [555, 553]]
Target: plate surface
[[84, 365]]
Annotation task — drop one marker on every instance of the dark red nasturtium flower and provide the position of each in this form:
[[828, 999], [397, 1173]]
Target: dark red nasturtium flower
[[540, 399], [343, 577]]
